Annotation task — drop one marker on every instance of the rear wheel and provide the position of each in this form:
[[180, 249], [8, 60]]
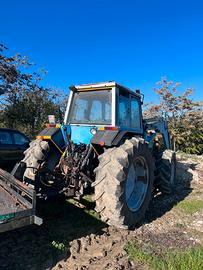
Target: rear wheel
[[27, 169], [123, 185], [34, 156], [40, 154]]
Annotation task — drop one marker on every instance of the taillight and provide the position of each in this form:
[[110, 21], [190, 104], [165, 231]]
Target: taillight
[[53, 125], [108, 128]]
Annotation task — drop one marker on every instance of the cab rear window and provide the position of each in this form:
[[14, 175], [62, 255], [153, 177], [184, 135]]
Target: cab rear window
[[91, 107]]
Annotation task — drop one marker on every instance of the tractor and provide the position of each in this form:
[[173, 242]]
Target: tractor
[[106, 147]]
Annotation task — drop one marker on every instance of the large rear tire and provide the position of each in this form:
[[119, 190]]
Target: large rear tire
[[34, 156], [40, 153], [123, 184]]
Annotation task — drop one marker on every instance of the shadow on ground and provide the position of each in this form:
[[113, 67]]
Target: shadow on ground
[[40, 248], [164, 203]]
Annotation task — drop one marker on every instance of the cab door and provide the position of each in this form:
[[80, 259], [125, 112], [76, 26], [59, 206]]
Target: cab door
[[135, 114], [124, 110]]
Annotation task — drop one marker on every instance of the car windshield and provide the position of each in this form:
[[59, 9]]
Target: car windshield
[[91, 107]]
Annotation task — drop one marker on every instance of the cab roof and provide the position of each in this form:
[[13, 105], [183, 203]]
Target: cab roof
[[100, 86]]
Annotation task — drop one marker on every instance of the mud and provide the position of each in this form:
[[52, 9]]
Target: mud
[[72, 237]]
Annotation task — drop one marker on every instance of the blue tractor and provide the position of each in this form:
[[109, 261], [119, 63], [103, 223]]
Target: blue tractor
[[106, 147]]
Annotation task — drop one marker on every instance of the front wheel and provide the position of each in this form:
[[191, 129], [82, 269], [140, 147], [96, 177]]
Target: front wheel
[[166, 172], [123, 184]]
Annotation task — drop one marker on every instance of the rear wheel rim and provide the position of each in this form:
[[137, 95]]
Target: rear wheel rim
[[136, 184]]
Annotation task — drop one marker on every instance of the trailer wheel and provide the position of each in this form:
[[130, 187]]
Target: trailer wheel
[[123, 184], [166, 172]]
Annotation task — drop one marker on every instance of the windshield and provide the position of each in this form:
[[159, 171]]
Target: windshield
[[91, 107]]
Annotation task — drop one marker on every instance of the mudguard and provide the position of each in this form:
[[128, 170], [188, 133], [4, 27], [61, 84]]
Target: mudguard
[[111, 137], [56, 133]]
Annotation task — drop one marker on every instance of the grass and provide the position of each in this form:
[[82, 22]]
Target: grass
[[58, 246], [190, 259], [180, 225], [190, 206], [184, 156]]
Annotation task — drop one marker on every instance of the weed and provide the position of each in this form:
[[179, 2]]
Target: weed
[[87, 197], [58, 246], [190, 206], [180, 225]]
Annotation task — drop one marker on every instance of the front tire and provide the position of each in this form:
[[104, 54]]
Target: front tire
[[166, 172], [123, 184]]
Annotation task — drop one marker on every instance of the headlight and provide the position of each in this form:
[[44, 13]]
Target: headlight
[[93, 131]]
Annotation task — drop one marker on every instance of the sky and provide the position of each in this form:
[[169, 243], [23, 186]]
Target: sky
[[133, 42]]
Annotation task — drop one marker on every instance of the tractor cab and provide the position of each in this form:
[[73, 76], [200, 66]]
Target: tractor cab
[[102, 106]]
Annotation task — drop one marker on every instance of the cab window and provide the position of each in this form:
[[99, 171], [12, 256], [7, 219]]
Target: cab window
[[135, 113], [124, 111], [91, 107], [129, 114]]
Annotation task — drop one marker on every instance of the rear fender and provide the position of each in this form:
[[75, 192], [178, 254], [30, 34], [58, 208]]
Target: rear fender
[[57, 134], [111, 137]]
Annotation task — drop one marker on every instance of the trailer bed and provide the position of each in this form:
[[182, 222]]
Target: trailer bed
[[17, 203]]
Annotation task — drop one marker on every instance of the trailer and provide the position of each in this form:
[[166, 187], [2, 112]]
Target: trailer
[[17, 203]]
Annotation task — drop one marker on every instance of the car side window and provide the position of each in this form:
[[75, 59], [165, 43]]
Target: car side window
[[19, 139], [5, 137]]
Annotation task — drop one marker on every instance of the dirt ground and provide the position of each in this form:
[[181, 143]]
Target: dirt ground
[[72, 236]]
